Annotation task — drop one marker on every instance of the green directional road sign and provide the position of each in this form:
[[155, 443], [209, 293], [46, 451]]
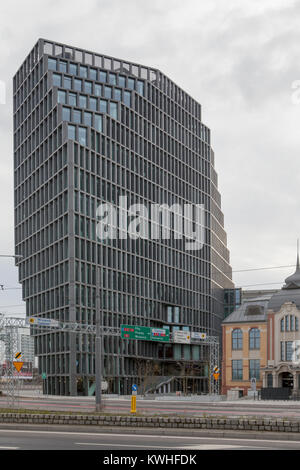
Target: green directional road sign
[[145, 333]]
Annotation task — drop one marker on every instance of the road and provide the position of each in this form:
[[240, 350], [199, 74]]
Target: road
[[154, 407], [27, 439]]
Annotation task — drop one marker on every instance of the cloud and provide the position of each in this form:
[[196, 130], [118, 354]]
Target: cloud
[[238, 59]]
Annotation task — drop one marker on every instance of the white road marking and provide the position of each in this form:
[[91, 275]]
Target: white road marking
[[119, 445], [11, 448]]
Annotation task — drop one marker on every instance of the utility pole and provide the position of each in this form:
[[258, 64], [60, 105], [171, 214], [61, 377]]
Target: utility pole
[[98, 338]]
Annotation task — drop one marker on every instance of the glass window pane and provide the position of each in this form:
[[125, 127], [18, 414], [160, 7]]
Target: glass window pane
[[117, 94], [82, 101], [77, 84], [114, 110], [88, 87], [107, 92], [98, 122], [56, 79], [131, 83], [61, 96], [103, 106], [72, 99], [102, 77], [63, 66], [127, 98], [83, 71], [73, 69], [93, 104], [77, 116], [98, 89], [71, 132], [66, 115], [112, 79], [88, 118], [82, 135], [93, 74], [140, 87], [52, 64], [67, 83], [122, 81]]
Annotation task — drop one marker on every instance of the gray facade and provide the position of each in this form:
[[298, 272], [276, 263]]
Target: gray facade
[[87, 130]]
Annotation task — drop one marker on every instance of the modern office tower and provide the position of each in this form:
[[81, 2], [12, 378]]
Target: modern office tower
[[88, 129]]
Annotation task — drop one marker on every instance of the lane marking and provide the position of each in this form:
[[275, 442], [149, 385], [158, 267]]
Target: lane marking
[[122, 445], [148, 436], [12, 448]]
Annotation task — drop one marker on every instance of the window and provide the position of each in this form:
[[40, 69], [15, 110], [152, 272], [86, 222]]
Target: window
[[237, 339], [122, 81], [63, 67], [282, 324], [93, 74], [73, 69], [127, 98], [82, 101], [282, 356], [52, 64], [61, 96], [66, 114], [113, 110], [254, 338], [72, 99], [83, 71], [237, 369], [288, 350], [98, 122], [112, 79], [296, 324], [117, 94], [56, 79], [98, 89], [88, 118], [254, 369], [103, 106], [71, 132], [88, 87], [292, 323], [287, 323], [77, 116], [93, 104], [82, 135], [68, 82], [131, 83], [102, 77], [77, 84], [140, 87], [107, 92]]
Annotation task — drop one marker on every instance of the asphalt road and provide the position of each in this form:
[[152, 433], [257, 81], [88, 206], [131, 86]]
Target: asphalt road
[[24, 439], [153, 407]]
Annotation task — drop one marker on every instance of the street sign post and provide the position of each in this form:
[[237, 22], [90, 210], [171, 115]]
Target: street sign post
[[133, 398], [216, 372], [145, 333]]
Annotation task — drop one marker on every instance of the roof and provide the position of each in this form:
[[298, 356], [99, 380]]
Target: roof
[[251, 310]]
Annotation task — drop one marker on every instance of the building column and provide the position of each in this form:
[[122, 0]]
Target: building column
[[275, 379]]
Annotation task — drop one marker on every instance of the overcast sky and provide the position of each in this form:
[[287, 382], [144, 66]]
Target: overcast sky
[[239, 59]]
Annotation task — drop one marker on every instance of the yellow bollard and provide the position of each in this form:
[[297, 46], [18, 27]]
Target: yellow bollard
[[133, 404]]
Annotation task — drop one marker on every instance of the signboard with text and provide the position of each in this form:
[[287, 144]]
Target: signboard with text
[[145, 333], [181, 336]]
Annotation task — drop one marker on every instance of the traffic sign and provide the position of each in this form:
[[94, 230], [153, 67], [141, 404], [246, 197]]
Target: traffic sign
[[18, 365], [38, 321], [18, 355], [134, 388], [181, 336], [44, 375], [145, 333]]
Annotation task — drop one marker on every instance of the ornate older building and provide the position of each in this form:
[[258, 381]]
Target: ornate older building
[[260, 341]]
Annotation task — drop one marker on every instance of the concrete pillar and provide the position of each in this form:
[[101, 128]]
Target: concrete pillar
[[275, 380]]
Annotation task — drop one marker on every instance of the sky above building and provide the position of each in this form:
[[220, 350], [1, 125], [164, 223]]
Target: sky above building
[[240, 60]]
